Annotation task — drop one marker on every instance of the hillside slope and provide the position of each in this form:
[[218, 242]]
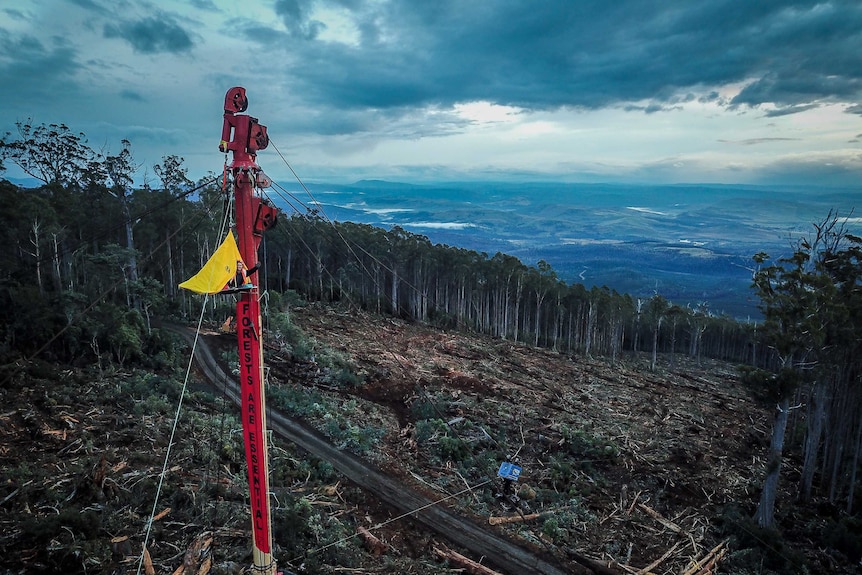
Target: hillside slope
[[630, 465], [629, 468]]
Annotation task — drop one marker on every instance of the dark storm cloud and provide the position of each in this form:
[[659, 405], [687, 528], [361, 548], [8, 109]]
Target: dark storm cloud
[[786, 111], [587, 54], [151, 35], [294, 16], [39, 71], [14, 14]]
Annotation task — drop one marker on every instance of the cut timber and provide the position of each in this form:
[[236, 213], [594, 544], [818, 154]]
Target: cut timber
[[659, 561], [197, 560], [707, 564], [658, 517], [592, 565], [148, 563], [372, 543], [514, 518], [465, 563]]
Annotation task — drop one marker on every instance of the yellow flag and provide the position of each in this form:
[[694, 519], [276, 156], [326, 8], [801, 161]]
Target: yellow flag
[[219, 269]]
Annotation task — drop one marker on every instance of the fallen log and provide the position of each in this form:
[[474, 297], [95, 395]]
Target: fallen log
[[465, 563]]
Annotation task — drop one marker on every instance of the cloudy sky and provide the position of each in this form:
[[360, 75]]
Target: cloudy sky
[[657, 91]]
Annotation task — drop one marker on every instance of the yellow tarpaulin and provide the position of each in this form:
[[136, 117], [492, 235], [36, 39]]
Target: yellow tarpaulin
[[219, 269]]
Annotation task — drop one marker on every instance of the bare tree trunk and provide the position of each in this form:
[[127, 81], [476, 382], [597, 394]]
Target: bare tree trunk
[[55, 263], [170, 278], [540, 297], [655, 344], [853, 467], [132, 300], [130, 243], [36, 240], [765, 514], [591, 322], [616, 339], [673, 344], [394, 291], [816, 415], [517, 312]]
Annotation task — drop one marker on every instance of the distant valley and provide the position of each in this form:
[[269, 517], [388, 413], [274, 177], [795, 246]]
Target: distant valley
[[689, 243]]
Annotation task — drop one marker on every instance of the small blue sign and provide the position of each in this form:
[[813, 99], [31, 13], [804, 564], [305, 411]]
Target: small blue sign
[[509, 471]]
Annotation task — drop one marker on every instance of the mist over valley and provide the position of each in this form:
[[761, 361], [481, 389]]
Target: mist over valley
[[689, 243]]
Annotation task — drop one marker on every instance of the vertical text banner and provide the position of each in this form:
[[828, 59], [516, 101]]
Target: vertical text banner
[[253, 416]]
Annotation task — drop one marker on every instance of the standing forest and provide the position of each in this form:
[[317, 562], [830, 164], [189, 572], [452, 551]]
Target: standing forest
[[88, 283]]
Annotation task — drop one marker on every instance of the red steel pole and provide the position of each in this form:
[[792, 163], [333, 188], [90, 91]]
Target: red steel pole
[[244, 136]]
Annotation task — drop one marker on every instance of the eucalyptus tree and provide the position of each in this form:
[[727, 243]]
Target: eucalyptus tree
[[622, 311], [420, 262], [50, 154], [697, 321], [592, 313], [118, 171], [174, 179], [657, 309], [835, 284], [541, 280], [791, 330], [675, 314], [172, 174]]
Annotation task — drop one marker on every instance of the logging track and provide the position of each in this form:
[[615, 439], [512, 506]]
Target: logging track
[[497, 550]]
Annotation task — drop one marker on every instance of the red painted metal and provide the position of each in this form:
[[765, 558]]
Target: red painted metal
[[244, 136]]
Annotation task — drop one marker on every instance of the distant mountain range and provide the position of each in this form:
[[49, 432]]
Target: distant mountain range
[[689, 243]]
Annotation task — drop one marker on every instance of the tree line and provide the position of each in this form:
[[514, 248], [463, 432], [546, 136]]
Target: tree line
[[90, 257], [404, 274]]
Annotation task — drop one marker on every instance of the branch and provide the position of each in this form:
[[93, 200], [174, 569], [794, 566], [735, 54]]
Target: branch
[[465, 563]]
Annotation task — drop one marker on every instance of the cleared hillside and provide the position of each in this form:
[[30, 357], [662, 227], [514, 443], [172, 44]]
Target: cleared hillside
[[632, 469]]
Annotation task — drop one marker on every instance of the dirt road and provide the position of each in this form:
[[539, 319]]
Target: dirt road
[[504, 555]]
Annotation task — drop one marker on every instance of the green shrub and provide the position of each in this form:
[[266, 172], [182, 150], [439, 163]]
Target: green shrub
[[428, 428], [351, 437], [452, 448], [297, 401], [344, 378], [588, 447]]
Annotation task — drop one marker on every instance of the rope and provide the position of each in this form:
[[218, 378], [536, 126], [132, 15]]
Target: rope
[[222, 231], [173, 434], [490, 472]]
